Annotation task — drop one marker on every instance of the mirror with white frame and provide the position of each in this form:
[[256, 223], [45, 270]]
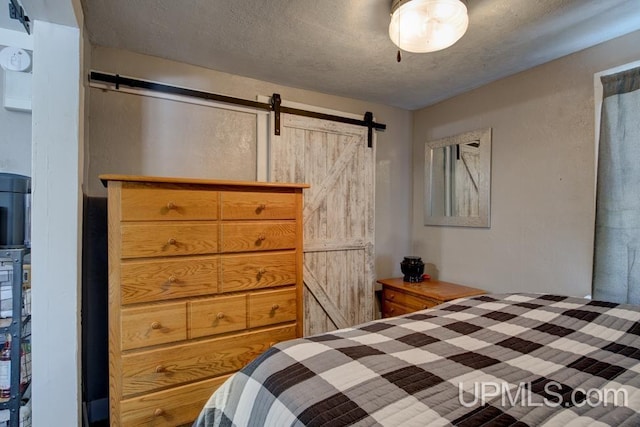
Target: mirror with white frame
[[458, 180]]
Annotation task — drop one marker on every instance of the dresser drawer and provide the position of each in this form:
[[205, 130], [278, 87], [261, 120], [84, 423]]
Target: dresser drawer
[[258, 205], [144, 202], [390, 309], [145, 371], [408, 300], [168, 239], [270, 307], [154, 324], [263, 270], [145, 281], [263, 236], [217, 315], [169, 408]]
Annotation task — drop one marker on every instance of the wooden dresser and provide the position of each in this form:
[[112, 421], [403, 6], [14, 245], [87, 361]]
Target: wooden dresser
[[399, 297], [203, 277]]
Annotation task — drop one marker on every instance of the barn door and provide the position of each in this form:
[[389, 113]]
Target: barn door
[[338, 216]]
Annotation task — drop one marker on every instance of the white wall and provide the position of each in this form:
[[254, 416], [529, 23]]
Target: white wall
[[542, 190], [110, 113], [56, 223]]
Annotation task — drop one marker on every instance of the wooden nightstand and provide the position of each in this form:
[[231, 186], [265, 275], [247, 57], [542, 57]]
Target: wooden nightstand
[[399, 297]]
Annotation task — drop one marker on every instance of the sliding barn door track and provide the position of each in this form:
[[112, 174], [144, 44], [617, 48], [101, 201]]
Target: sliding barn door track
[[275, 105]]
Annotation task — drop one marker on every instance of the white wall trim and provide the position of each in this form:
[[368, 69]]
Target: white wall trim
[[57, 165]]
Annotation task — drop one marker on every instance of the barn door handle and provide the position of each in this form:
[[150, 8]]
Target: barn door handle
[[276, 101]]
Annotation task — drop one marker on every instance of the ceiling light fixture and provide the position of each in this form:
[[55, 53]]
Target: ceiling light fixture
[[427, 25]]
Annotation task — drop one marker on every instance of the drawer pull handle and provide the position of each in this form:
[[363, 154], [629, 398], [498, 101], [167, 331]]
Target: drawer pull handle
[[220, 316], [262, 237], [262, 271], [274, 307], [262, 207], [160, 369], [391, 296], [391, 310], [158, 412], [156, 325], [171, 205], [172, 279], [172, 241]]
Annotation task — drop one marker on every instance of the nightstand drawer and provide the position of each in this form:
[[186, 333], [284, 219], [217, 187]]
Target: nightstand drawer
[[144, 202], [263, 236], [390, 309], [271, 307], [146, 281], [155, 324], [168, 239], [258, 205], [408, 300], [264, 270], [217, 315]]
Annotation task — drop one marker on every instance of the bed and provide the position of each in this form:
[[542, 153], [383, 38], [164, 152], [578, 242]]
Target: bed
[[494, 360]]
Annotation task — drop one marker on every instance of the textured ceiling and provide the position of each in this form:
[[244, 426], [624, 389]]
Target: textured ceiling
[[341, 47]]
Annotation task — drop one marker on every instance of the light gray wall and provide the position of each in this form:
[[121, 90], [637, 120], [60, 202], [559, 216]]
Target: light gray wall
[[15, 137], [126, 132], [543, 177], [143, 135]]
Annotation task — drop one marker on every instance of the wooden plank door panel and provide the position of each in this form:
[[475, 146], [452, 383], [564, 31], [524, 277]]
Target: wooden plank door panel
[[338, 217]]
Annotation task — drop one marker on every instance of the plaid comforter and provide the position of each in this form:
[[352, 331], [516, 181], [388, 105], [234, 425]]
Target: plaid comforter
[[517, 360]]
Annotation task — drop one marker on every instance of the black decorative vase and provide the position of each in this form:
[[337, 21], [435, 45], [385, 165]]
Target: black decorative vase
[[412, 267]]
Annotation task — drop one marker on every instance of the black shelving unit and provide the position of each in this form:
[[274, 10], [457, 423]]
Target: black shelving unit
[[15, 328]]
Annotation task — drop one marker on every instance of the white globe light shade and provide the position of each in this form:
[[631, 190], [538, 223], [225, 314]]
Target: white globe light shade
[[427, 25]]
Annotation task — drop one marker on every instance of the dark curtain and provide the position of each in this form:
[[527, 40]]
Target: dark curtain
[[616, 269]]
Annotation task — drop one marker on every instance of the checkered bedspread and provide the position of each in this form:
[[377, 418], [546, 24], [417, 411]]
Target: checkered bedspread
[[494, 360]]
